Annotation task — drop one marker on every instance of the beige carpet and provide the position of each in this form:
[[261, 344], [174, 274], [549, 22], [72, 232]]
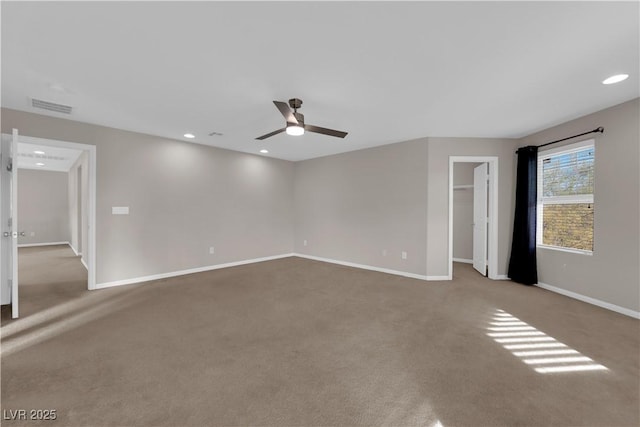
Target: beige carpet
[[299, 342]]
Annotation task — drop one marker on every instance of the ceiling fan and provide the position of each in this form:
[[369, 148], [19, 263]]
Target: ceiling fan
[[295, 121]]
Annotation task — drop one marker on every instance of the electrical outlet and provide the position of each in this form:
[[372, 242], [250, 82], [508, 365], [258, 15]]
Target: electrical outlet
[[384, 252], [404, 255], [212, 250], [304, 243], [33, 233]]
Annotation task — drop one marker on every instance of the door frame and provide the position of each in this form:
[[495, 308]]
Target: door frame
[[90, 251], [492, 235], [9, 255]]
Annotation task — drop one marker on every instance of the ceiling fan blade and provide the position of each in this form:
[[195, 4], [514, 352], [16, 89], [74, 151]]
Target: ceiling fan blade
[[275, 132], [286, 112], [325, 131]]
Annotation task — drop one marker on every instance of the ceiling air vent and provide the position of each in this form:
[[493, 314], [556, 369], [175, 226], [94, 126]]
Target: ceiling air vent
[[41, 156], [51, 106]]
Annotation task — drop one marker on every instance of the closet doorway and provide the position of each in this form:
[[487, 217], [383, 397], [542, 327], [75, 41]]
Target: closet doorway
[[473, 209]]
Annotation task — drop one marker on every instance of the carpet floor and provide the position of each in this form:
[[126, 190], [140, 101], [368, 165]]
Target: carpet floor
[[295, 342]]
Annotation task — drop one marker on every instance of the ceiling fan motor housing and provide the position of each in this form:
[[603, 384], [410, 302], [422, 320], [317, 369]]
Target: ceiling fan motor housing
[[295, 103]]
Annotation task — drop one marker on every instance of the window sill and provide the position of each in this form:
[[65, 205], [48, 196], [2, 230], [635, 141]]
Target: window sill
[[571, 251]]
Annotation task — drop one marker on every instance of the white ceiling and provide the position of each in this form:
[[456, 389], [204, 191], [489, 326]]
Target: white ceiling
[[383, 71], [54, 158]]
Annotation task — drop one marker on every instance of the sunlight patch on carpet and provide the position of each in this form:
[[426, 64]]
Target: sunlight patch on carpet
[[26, 332], [535, 348]]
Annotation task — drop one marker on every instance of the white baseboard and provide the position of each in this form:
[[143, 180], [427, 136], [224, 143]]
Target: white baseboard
[[75, 251], [584, 298], [31, 245], [439, 278], [84, 263], [189, 271], [365, 267], [466, 261], [502, 277]]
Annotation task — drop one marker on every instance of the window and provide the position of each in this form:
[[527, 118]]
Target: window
[[565, 197]]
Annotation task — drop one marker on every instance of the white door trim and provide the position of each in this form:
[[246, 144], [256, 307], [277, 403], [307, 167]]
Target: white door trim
[[91, 219], [493, 210]]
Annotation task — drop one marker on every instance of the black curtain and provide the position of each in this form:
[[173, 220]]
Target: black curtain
[[523, 264]]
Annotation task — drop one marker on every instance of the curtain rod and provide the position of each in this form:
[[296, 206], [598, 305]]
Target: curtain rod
[[597, 130]]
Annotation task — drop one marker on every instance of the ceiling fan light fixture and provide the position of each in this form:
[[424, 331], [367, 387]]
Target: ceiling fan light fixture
[[295, 130], [295, 122]]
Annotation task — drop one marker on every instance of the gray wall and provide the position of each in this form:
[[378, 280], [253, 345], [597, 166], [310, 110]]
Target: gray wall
[[463, 211], [42, 206], [350, 207], [611, 274], [463, 173], [182, 197], [438, 202]]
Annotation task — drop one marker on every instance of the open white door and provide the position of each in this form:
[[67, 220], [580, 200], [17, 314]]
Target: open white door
[[480, 184], [9, 221]]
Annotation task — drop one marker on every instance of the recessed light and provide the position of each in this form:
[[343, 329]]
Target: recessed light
[[263, 151], [39, 152], [189, 135], [39, 164], [615, 79]]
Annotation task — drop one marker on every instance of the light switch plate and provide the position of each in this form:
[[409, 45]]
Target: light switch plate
[[120, 210]]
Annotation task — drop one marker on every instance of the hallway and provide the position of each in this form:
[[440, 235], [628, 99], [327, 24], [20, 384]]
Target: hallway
[[48, 276]]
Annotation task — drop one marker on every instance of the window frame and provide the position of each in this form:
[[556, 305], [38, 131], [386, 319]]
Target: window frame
[[573, 199]]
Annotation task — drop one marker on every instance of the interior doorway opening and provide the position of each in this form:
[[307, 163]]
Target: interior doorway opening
[[473, 213], [52, 214], [466, 246], [82, 182]]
